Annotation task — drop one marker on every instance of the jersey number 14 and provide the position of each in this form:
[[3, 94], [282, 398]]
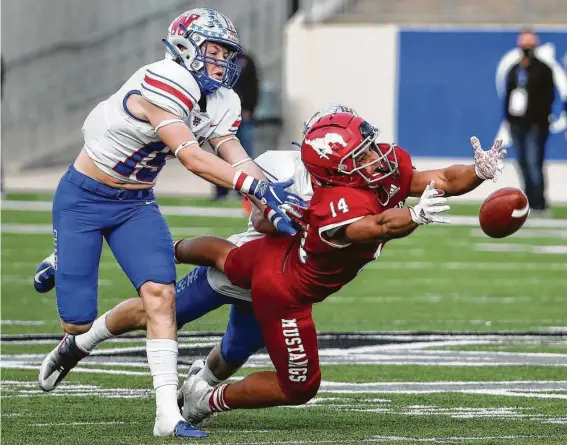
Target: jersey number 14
[[341, 207]]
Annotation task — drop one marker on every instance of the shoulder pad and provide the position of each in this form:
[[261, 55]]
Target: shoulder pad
[[232, 118], [168, 85]]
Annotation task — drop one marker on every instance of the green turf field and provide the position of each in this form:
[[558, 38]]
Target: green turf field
[[469, 346]]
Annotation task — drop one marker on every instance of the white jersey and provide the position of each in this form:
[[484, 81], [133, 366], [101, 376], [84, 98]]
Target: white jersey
[[277, 166], [128, 148]]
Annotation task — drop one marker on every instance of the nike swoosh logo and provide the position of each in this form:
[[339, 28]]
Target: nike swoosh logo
[[36, 278], [213, 125], [149, 202]]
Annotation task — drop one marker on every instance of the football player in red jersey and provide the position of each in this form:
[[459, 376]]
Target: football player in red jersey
[[360, 189]]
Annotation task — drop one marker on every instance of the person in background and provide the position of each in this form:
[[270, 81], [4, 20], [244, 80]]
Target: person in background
[[248, 89], [530, 92]]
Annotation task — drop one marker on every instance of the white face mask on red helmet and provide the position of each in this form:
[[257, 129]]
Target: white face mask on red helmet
[[188, 37]]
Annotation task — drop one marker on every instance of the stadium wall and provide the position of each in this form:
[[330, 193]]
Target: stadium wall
[[428, 89]]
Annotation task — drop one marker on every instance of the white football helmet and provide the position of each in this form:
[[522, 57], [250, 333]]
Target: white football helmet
[[325, 111], [195, 28]]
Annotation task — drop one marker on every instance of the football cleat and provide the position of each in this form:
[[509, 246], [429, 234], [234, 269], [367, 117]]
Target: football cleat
[[44, 279], [181, 429], [196, 366], [196, 393], [185, 429], [59, 362]]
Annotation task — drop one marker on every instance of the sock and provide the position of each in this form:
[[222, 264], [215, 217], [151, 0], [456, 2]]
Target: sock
[[162, 358], [207, 375], [217, 401], [94, 336]]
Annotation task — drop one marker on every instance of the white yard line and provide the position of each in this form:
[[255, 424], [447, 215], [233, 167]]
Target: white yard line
[[521, 248], [466, 265], [82, 423], [223, 212], [21, 322], [528, 233], [472, 221], [381, 439], [41, 229]]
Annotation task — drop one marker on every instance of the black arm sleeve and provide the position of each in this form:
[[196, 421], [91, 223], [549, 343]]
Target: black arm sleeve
[[549, 89], [510, 85]]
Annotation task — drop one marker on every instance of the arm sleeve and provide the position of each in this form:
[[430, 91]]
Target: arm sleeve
[[232, 118], [549, 86], [509, 88], [171, 87]]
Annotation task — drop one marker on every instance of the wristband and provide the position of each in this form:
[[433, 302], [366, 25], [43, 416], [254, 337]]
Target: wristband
[[244, 183]]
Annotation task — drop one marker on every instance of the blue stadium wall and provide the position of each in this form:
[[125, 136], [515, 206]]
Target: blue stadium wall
[[447, 89]]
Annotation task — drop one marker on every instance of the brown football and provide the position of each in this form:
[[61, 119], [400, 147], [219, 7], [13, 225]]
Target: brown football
[[504, 212]]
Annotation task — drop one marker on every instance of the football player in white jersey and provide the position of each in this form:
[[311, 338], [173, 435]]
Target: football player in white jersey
[[205, 289], [166, 109]]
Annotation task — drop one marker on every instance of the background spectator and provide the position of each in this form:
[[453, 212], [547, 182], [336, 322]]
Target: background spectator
[[529, 97]]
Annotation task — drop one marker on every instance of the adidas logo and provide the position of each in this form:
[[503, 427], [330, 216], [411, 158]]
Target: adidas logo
[[393, 190]]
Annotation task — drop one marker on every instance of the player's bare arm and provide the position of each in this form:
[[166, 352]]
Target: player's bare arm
[[392, 223], [460, 179], [178, 137], [398, 223], [229, 148]]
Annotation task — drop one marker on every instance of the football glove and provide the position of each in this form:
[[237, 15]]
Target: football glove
[[297, 217], [490, 163], [273, 195], [430, 204]]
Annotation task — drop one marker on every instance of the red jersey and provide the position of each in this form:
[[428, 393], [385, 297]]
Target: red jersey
[[316, 267]]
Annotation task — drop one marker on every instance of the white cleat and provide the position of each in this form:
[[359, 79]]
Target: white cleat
[[57, 364], [196, 366], [196, 393]]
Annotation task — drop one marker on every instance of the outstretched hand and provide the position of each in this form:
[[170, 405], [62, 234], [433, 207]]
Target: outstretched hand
[[490, 163], [430, 204]]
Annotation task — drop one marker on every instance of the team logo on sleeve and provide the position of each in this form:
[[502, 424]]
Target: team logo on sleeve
[[323, 145]]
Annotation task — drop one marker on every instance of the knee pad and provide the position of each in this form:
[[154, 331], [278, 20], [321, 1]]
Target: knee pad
[[77, 305]]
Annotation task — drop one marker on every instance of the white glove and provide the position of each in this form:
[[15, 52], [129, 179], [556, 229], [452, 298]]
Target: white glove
[[488, 164], [430, 204]]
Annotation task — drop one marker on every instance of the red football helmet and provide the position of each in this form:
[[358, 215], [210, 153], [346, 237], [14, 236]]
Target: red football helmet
[[338, 149]]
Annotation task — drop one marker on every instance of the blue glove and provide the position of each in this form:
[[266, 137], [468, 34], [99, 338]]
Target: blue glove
[[280, 220], [273, 195]]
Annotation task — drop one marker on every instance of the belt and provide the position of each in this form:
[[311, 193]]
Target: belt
[[98, 188]]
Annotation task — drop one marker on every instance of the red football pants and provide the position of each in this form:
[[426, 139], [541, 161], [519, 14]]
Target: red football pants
[[287, 325]]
